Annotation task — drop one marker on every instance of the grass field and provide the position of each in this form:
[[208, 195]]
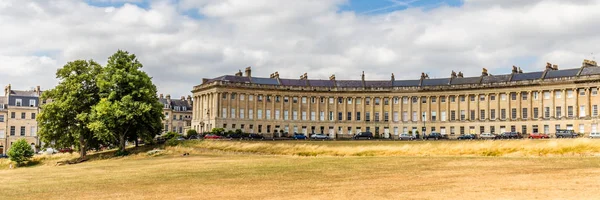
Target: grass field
[[217, 170]]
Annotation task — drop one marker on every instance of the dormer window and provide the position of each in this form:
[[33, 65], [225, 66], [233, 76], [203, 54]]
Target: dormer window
[[32, 103], [184, 108], [177, 108], [19, 102]]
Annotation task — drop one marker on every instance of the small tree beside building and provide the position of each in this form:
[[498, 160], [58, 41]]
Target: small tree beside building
[[20, 152]]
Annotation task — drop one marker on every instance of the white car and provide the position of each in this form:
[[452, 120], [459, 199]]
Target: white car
[[48, 151], [594, 135]]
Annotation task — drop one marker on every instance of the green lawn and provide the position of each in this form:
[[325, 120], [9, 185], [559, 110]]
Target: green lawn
[[222, 174]]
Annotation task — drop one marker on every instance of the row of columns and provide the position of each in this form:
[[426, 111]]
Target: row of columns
[[209, 105]]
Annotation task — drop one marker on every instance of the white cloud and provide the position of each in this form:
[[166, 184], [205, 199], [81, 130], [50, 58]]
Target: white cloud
[[293, 37]]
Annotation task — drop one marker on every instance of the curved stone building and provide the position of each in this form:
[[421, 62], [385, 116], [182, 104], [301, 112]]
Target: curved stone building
[[533, 102]]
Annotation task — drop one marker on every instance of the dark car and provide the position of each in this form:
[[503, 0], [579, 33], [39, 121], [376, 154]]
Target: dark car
[[366, 135], [3, 156], [160, 140], [563, 133], [510, 135], [193, 137], [254, 136], [467, 137], [434, 136], [299, 136], [234, 136]]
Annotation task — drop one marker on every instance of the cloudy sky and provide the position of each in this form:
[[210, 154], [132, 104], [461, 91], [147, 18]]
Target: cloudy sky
[[182, 41]]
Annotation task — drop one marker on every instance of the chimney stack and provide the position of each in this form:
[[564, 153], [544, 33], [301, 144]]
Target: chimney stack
[[239, 73], [460, 75], [275, 75], [520, 70], [189, 100], [514, 70], [248, 72], [549, 66], [393, 78], [589, 63], [555, 67], [168, 98], [160, 96], [332, 77], [453, 74], [363, 76], [304, 76], [7, 90], [182, 98], [484, 72]]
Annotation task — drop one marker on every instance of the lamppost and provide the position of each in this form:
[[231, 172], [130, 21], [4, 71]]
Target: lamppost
[[424, 128]]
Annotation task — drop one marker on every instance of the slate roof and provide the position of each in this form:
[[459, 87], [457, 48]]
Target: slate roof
[[23, 93], [176, 102], [407, 83], [349, 83], [435, 82], [292, 82], [527, 76], [562, 73], [378, 83], [590, 71], [466, 80], [264, 81], [496, 78], [321, 83]]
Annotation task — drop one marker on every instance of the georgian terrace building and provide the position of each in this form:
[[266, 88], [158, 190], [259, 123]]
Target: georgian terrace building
[[533, 102]]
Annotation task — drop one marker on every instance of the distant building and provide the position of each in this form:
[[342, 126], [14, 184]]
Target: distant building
[[178, 114], [18, 111], [533, 102]]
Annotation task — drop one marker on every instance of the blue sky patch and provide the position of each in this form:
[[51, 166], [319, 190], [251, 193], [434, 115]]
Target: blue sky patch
[[386, 6]]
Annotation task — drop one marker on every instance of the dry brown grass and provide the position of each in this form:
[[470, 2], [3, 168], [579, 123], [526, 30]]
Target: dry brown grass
[[216, 174], [504, 148]]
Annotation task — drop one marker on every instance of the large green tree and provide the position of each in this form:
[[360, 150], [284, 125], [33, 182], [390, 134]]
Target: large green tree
[[128, 107], [64, 121]]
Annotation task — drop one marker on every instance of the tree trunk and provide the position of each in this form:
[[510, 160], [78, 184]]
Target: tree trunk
[[136, 142], [82, 147], [122, 142]]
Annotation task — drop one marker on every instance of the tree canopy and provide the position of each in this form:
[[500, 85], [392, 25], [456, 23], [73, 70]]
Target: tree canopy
[[128, 107], [63, 121]]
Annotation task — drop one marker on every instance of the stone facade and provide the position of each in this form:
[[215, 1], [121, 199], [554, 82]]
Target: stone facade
[[178, 114], [535, 102], [18, 112]]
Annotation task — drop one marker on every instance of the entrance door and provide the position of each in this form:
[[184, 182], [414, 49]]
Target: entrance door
[[386, 132], [331, 135], [502, 129]]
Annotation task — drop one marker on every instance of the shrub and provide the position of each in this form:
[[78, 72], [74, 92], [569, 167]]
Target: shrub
[[228, 133], [238, 131], [217, 131], [191, 132], [20, 152], [121, 153], [170, 135]]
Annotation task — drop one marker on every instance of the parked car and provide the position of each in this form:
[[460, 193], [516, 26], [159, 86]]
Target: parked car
[[3, 156], [488, 136], [538, 136], [298, 136], [254, 136], [193, 137], [467, 137], [234, 136], [65, 150], [212, 136], [563, 133], [319, 136], [434, 136], [405, 136], [180, 138], [160, 140], [510, 135], [594, 135], [366, 135]]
